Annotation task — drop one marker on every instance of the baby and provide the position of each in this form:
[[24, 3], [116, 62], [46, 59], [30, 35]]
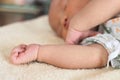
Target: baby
[[76, 21]]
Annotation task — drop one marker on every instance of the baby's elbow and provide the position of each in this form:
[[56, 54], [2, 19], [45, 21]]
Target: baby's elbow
[[101, 59]]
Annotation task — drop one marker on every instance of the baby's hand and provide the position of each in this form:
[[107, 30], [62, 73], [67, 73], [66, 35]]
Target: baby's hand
[[24, 53], [74, 36]]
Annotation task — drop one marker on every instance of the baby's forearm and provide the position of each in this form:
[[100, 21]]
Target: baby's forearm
[[73, 56], [95, 13]]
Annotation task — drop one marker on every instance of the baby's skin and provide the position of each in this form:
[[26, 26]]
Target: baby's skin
[[94, 13], [63, 56], [27, 53], [60, 15], [24, 53], [74, 21]]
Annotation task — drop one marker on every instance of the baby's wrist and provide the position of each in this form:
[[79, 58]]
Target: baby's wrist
[[39, 54], [38, 51], [35, 48]]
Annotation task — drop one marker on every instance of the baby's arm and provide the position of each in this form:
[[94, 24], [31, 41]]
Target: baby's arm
[[74, 56], [93, 14], [64, 56]]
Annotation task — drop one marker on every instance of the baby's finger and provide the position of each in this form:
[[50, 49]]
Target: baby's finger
[[19, 48], [17, 58], [22, 45], [13, 57]]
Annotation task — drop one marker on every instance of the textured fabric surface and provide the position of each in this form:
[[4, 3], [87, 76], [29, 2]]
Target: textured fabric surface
[[38, 31]]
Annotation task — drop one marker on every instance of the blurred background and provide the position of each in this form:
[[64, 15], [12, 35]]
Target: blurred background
[[20, 10]]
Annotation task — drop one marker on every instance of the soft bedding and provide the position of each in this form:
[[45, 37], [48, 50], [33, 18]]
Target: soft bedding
[[39, 31]]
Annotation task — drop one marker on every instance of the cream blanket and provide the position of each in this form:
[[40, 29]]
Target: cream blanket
[[38, 31]]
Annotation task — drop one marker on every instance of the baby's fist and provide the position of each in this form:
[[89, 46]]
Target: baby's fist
[[24, 53]]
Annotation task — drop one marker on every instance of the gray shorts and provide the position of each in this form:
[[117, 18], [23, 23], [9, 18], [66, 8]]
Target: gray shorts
[[110, 39]]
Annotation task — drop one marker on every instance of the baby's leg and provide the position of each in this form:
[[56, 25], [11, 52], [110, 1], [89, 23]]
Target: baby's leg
[[94, 13], [74, 56]]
